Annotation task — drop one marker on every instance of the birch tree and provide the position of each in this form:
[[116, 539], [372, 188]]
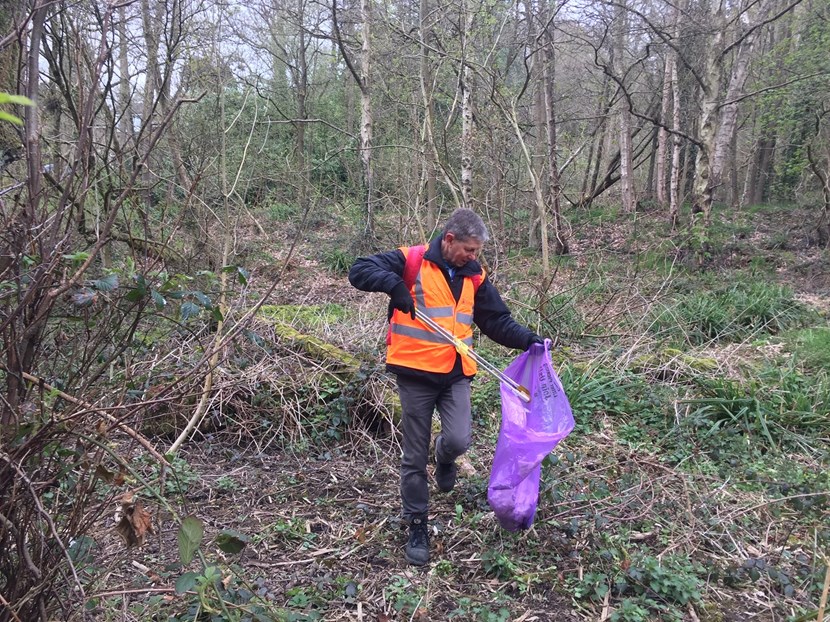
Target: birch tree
[[362, 76], [549, 82], [629, 202], [428, 147], [734, 38]]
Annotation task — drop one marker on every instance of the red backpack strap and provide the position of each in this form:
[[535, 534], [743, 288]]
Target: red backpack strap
[[414, 258], [478, 279]]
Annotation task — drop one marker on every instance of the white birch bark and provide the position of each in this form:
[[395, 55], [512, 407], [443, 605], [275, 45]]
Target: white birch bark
[[125, 124], [674, 178], [662, 134], [466, 114], [366, 121], [554, 183], [427, 140], [626, 160]]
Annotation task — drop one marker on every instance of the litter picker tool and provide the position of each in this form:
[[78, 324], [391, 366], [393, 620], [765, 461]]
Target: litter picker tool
[[464, 350]]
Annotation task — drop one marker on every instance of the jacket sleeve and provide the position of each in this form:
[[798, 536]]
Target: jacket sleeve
[[493, 318], [378, 273]]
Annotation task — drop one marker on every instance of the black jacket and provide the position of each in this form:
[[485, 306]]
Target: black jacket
[[382, 272]]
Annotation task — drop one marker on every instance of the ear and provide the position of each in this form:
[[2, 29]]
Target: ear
[[449, 237]]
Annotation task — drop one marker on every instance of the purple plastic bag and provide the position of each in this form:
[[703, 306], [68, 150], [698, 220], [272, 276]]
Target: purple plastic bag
[[529, 432]]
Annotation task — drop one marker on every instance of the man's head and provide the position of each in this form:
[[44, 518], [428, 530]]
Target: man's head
[[463, 236]]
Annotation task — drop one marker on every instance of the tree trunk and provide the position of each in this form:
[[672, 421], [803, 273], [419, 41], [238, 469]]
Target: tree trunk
[[763, 171], [554, 184], [592, 166], [125, 125], [427, 141], [662, 134], [150, 19], [466, 112], [629, 201], [734, 192], [301, 88], [728, 116], [674, 183], [10, 147], [366, 119]]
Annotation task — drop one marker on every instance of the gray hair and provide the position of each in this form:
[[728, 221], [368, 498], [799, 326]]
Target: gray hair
[[465, 224]]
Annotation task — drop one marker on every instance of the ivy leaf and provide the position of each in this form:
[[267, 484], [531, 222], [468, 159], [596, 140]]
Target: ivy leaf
[[216, 312], [186, 582], [242, 275], [254, 338], [189, 310], [139, 291], [81, 550], [201, 299], [190, 537], [158, 299], [107, 284], [231, 541]]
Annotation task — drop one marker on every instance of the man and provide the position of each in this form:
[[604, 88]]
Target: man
[[450, 287]]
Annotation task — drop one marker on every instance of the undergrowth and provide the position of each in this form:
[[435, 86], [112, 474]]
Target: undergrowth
[[697, 472]]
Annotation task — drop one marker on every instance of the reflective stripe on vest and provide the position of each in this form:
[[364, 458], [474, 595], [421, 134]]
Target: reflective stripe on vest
[[414, 344]]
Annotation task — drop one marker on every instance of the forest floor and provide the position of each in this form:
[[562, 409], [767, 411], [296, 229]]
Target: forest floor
[[321, 524]]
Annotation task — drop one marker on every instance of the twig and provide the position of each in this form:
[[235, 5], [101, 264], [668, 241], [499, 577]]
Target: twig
[[140, 590], [114, 420], [8, 607], [47, 518], [823, 603]]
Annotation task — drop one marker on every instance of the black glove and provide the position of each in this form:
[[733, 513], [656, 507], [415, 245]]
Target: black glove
[[402, 299], [534, 339]]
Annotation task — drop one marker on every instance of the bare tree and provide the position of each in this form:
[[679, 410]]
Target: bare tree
[[549, 81], [362, 77], [629, 200], [818, 155]]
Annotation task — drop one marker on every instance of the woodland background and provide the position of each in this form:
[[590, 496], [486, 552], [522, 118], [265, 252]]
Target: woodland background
[[183, 186]]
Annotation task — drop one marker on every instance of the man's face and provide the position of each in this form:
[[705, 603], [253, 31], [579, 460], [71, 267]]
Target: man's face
[[458, 252]]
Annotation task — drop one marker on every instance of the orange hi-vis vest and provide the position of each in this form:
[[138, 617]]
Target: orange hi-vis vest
[[413, 344]]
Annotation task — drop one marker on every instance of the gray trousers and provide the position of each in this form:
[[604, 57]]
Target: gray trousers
[[418, 402]]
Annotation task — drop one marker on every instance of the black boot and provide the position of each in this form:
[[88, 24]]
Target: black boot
[[445, 475], [417, 549]]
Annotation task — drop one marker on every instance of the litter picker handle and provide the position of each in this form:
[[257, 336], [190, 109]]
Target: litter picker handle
[[466, 350]]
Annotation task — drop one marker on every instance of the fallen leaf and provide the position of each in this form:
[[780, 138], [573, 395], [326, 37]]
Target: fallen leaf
[[116, 479], [465, 467], [104, 473], [135, 522]]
